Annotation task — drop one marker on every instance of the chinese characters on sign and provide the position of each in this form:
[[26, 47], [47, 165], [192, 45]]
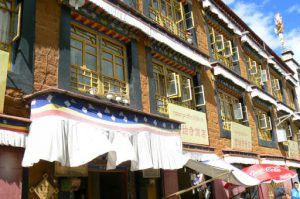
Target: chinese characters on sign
[[194, 129], [241, 137]]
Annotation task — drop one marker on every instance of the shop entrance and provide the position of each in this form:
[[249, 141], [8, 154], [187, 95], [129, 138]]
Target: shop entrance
[[108, 185]]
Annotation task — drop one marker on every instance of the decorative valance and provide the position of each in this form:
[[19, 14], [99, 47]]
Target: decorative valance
[[74, 132], [234, 159], [213, 8], [13, 133], [219, 70], [293, 163], [263, 96], [273, 160], [282, 107]]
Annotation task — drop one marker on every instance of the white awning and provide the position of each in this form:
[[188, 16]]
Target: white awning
[[261, 95], [296, 117], [277, 67], [254, 45], [152, 32], [280, 162], [73, 143], [240, 160], [291, 163], [291, 79], [12, 138], [222, 16], [199, 156], [215, 168], [282, 107], [219, 70]]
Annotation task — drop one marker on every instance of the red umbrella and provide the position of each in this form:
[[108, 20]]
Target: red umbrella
[[270, 173], [267, 173]]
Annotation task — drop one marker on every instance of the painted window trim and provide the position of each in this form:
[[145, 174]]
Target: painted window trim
[[223, 132], [168, 99], [219, 55], [99, 58], [264, 143], [16, 7]]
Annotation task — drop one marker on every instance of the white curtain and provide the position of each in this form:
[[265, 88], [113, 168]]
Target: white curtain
[[74, 143], [4, 25]]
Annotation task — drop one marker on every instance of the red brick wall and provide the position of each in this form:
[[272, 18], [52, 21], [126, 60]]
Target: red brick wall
[[143, 73], [14, 103], [46, 44], [199, 24]]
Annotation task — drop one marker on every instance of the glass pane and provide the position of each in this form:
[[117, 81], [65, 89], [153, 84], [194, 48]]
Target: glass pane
[[107, 68], [107, 56], [76, 43], [91, 62], [155, 4], [115, 89], [162, 86], [16, 22], [169, 10], [163, 8], [119, 61], [91, 49], [120, 72], [76, 57], [84, 80], [4, 27]]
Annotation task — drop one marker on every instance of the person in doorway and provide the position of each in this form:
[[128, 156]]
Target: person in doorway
[[295, 191]]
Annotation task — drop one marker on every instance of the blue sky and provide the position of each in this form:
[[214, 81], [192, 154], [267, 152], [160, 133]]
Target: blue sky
[[259, 15]]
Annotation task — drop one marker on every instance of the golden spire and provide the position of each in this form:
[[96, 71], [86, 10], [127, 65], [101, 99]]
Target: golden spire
[[279, 30]]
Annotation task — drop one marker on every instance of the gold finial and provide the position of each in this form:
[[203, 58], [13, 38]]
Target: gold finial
[[279, 30]]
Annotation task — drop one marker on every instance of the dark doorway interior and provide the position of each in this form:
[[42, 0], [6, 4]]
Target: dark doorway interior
[[112, 185]]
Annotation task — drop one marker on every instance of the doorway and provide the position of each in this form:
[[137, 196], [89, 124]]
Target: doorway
[[108, 185]]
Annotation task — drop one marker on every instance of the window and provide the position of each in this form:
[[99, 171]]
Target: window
[[264, 124], [288, 130], [257, 75], [291, 96], [170, 14], [98, 64], [276, 87], [172, 86], [231, 110], [131, 3], [10, 18], [222, 49]]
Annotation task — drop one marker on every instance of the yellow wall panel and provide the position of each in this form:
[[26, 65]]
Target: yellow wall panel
[[4, 57]]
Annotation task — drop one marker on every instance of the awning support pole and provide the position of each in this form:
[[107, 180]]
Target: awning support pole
[[198, 185]]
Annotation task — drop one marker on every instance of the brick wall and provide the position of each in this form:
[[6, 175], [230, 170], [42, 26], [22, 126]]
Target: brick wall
[[199, 24], [46, 44], [143, 73], [14, 103]]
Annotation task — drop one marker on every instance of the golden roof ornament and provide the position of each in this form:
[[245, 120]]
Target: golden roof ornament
[[279, 29]]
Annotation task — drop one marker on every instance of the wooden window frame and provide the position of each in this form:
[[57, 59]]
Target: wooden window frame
[[277, 93], [98, 81], [14, 35], [221, 55], [162, 99], [227, 112], [254, 77], [291, 96], [169, 19], [264, 134], [123, 90]]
